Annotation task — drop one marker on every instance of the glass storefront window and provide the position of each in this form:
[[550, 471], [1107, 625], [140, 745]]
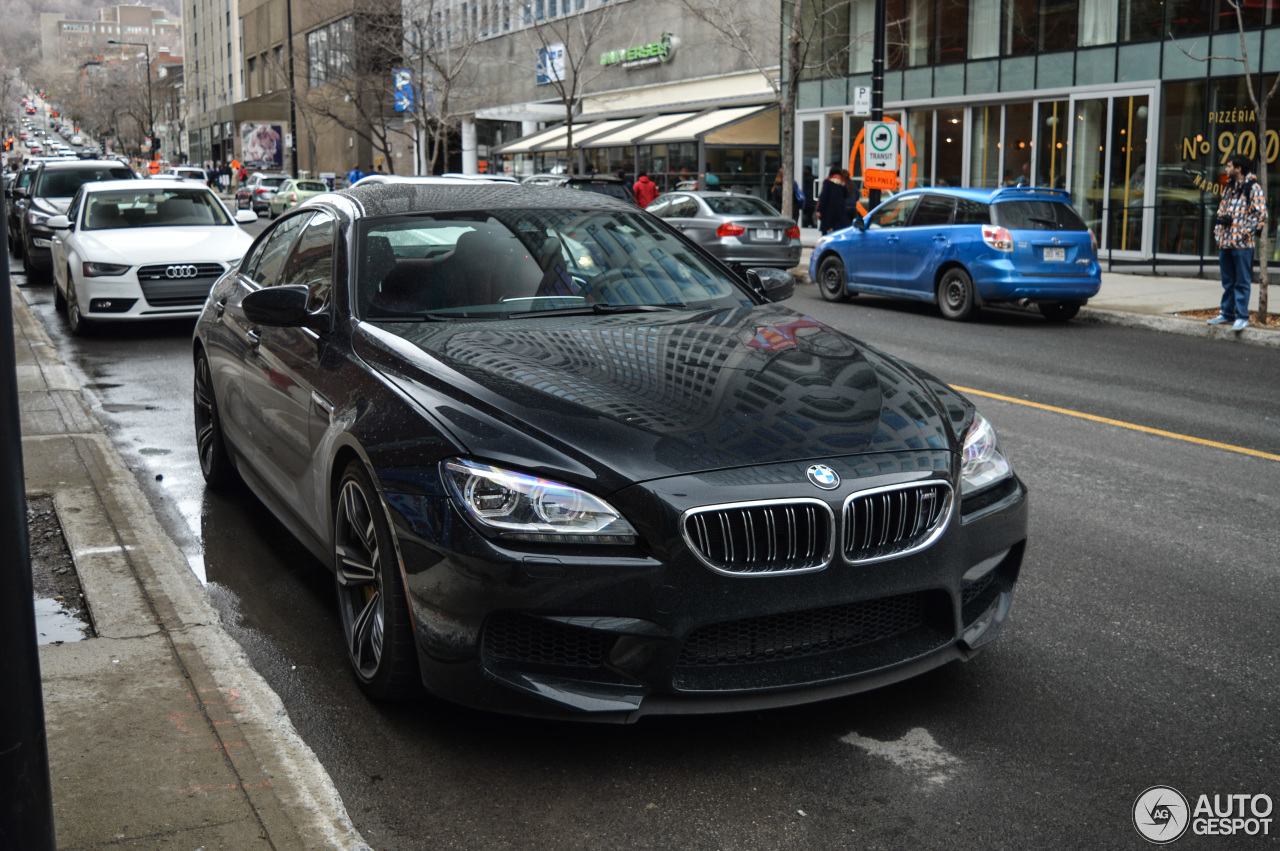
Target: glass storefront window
[[1089, 163], [833, 127], [1128, 173], [950, 147], [920, 126], [1051, 144], [1017, 144], [984, 159], [1140, 20], [1021, 27], [1058, 21]]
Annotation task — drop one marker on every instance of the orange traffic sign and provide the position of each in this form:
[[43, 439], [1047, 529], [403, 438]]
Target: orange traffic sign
[[879, 178], [154, 167]]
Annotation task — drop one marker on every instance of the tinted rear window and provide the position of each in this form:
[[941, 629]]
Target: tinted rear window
[[312, 186], [1037, 215], [273, 181], [740, 205], [65, 182]]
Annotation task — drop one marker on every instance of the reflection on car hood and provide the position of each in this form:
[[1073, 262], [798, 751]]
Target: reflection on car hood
[[188, 244], [641, 396]]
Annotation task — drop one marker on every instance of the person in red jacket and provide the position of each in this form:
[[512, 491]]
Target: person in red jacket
[[645, 190]]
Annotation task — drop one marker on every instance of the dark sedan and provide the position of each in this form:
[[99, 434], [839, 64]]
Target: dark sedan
[[562, 463], [740, 230]]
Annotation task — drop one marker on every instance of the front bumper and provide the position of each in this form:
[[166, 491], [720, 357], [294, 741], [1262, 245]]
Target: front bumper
[[615, 634], [125, 299]]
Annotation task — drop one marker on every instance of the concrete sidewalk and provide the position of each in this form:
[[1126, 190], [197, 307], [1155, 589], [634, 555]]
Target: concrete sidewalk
[[161, 735], [1143, 301]]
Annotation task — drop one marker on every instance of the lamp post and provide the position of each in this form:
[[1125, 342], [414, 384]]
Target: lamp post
[[151, 117]]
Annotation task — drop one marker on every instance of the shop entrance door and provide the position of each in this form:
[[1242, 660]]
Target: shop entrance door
[[1111, 175]]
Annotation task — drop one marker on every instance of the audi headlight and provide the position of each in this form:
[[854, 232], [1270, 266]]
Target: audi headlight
[[103, 270], [984, 461], [527, 508]]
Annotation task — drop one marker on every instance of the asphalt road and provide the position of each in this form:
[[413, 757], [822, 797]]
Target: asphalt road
[[1142, 647]]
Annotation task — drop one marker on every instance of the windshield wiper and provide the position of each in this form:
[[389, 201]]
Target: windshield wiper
[[599, 309], [1057, 225]]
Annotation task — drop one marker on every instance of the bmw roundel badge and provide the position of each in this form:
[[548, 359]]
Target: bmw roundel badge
[[823, 476]]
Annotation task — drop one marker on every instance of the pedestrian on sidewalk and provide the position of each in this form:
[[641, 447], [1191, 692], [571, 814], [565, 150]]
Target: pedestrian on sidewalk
[[1242, 213], [645, 190], [354, 175], [831, 211]]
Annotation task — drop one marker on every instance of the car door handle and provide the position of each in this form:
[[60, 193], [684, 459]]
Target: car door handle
[[892, 240], [219, 307], [939, 237], [254, 338]]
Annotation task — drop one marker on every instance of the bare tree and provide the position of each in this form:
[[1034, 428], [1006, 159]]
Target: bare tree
[[562, 51], [439, 42], [1260, 144], [353, 87], [816, 41]]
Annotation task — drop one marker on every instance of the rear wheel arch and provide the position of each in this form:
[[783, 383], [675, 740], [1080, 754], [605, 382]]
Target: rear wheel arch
[[947, 267]]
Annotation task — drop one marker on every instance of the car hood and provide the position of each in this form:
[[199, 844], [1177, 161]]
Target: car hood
[[188, 244], [626, 398]]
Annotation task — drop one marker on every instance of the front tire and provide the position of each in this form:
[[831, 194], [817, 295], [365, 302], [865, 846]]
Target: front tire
[[832, 280], [1059, 311], [215, 461], [371, 597], [956, 297], [80, 327]]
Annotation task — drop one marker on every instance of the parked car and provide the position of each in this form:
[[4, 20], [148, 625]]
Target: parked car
[[742, 230], [965, 248], [292, 193], [603, 184], [255, 193], [15, 202], [141, 249], [50, 193], [562, 463]]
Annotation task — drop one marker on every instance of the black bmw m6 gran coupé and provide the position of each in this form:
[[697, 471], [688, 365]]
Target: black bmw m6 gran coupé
[[562, 462]]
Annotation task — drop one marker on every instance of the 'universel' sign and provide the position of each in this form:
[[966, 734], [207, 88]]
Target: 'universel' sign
[[642, 54]]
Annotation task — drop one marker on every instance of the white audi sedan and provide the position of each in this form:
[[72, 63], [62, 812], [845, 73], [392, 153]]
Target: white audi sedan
[[129, 250]]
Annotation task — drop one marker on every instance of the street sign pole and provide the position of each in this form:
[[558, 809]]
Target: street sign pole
[[877, 78], [26, 797]]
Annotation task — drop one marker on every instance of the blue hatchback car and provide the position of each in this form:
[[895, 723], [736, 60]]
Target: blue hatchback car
[[965, 248]]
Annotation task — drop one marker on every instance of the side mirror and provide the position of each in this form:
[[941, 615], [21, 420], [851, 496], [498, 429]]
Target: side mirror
[[860, 223], [283, 307], [773, 284], [246, 217], [58, 223]]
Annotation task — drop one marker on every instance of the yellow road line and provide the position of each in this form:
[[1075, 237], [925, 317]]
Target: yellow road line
[[1121, 424]]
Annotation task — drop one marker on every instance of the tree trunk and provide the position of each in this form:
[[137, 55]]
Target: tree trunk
[[788, 118]]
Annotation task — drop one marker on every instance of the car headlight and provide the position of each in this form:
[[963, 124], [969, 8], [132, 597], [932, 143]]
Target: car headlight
[[527, 508], [984, 461], [103, 270], [35, 217]]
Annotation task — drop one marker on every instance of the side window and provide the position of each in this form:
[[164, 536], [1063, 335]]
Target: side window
[[933, 210], [683, 207], [894, 214], [274, 250], [73, 209], [972, 212], [311, 263]]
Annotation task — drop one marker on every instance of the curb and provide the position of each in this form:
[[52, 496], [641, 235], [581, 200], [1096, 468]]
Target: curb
[[1176, 325], [150, 611]]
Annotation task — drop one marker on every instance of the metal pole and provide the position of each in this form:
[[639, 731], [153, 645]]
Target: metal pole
[[293, 113], [26, 797], [877, 80]]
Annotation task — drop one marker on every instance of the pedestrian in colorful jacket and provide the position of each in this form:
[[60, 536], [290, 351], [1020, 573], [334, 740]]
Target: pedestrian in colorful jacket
[[1242, 214]]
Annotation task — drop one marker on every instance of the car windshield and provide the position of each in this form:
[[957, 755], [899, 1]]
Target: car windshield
[[529, 263], [1037, 215], [153, 208], [739, 205], [63, 183]]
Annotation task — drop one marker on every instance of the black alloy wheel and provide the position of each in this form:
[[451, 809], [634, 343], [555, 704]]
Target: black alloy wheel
[[215, 461], [832, 281], [371, 598], [80, 327], [956, 298], [1059, 311]]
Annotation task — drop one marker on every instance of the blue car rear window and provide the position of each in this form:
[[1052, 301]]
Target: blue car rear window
[[1037, 215]]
